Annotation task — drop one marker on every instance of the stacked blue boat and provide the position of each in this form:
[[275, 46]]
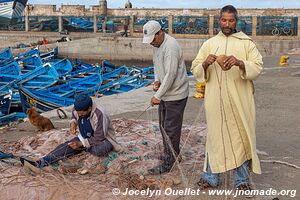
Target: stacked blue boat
[[43, 81]]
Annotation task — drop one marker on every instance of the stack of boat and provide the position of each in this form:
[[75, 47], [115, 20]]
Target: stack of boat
[[41, 80]]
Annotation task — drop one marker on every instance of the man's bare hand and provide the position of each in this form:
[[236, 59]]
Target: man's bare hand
[[231, 61], [75, 145], [154, 101], [156, 85], [73, 128], [209, 61]]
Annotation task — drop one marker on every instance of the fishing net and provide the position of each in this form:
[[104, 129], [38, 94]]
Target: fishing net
[[96, 176]]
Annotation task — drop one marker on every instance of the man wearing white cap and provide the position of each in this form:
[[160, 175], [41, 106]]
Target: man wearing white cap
[[171, 91]]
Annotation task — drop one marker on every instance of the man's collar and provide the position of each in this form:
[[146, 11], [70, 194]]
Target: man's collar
[[165, 39], [239, 35]]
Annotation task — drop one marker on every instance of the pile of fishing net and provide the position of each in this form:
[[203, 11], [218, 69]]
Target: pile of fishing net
[[142, 145]]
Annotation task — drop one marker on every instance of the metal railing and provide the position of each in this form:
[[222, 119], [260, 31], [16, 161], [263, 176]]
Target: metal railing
[[181, 26]]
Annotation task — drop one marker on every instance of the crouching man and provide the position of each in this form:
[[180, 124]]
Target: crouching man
[[95, 135]]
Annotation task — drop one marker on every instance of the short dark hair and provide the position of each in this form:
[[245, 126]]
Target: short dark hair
[[229, 9]]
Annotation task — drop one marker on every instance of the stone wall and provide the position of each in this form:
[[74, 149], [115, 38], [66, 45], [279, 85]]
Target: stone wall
[[128, 49], [89, 46], [200, 12], [45, 10], [94, 10], [13, 39], [77, 10]]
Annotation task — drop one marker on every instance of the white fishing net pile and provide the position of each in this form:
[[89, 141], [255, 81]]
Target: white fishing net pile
[[142, 145]]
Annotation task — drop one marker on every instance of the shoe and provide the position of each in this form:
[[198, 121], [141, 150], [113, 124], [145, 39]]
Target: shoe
[[33, 163], [30, 166], [244, 187], [160, 169], [203, 184], [246, 190]]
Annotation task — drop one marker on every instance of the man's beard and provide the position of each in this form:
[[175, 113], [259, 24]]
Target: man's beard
[[86, 115], [226, 31]]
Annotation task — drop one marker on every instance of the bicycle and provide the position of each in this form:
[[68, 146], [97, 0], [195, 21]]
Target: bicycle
[[281, 31]]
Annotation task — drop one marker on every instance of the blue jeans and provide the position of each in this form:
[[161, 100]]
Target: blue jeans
[[241, 175]]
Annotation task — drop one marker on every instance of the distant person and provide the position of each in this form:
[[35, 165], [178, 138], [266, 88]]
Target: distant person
[[64, 39], [64, 32], [103, 25], [44, 41], [171, 91], [95, 134], [125, 24], [228, 63]]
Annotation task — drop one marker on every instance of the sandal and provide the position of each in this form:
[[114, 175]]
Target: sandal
[[203, 184], [246, 188]]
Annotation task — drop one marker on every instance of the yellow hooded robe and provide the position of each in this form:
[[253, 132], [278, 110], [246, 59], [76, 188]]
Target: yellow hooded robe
[[229, 102]]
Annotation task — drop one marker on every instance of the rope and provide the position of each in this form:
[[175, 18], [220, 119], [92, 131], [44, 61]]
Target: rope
[[143, 112], [63, 112], [221, 112], [230, 101]]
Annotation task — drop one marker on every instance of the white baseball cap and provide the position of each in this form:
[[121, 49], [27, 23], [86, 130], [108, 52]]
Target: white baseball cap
[[149, 30]]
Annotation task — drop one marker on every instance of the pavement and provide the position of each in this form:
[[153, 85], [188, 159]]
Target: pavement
[[277, 94]]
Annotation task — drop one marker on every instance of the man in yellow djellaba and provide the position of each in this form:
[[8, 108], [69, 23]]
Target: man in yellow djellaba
[[228, 63]]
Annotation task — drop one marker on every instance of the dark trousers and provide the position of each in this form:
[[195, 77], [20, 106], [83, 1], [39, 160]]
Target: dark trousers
[[125, 31], [170, 122], [64, 150]]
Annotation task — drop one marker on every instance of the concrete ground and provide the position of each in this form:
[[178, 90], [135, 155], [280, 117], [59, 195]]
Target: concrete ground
[[278, 123], [277, 94]]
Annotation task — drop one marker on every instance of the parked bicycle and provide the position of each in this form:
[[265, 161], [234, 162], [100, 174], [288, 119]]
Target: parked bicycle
[[276, 31]]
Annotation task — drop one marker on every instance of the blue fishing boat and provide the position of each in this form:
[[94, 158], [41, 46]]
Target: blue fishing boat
[[89, 84], [10, 11], [19, 57], [5, 54], [81, 70], [42, 101], [108, 66], [61, 95], [78, 65], [79, 24], [62, 67], [124, 84], [105, 67], [26, 54], [147, 73], [42, 76], [11, 69], [117, 73], [47, 56], [15, 103], [6, 119], [5, 102], [31, 62]]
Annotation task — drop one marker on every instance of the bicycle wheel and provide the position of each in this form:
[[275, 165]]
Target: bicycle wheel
[[275, 32], [287, 31]]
